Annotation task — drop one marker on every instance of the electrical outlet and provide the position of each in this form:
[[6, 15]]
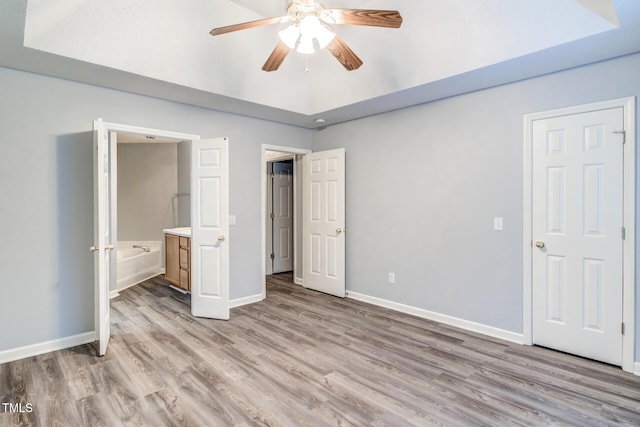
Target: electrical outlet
[[392, 278], [498, 224]]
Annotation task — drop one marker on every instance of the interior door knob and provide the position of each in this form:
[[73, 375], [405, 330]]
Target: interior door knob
[[221, 238], [93, 249], [540, 244], [338, 230]]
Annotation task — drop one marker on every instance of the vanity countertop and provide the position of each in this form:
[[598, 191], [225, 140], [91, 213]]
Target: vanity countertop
[[180, 231]]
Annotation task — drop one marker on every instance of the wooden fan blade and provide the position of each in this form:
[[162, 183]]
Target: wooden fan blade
[[277, 56], [246, 25], [370, 17], [344, 54]]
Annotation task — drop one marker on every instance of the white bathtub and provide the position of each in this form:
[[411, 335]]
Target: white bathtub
[[134, 265]]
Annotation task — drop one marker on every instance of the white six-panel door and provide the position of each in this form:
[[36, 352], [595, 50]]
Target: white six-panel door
[[324, 221], [102, 240], [210, 228], [282, 216], [577, 234]]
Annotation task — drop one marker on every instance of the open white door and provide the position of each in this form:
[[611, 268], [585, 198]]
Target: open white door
[[209, 228], [102, 239], [324, 222]]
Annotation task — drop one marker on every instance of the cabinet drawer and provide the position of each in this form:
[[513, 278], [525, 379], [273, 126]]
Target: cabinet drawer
[[185, 242], [184, 280], [184, 258]]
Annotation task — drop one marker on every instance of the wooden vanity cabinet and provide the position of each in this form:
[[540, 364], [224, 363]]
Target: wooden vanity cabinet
[[185, 263], [178, 261]]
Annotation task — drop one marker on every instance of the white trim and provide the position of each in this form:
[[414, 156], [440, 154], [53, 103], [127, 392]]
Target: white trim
[[440, 318], [46, 347], [114, 294], [629, 212], [298, 281], [245, 300], [636, 368], [263, 204], [118, 127]]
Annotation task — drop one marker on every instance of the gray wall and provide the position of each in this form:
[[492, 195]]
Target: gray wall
[[424, 183], [46, 171], [147, 185]]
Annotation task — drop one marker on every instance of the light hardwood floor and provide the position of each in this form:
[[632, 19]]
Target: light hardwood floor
[[304, 358]]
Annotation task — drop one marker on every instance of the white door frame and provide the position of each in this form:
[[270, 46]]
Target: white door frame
[[263, 203], [629, 213], [113, 173]]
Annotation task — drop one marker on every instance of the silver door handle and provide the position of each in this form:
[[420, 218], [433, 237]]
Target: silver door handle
[[221, 238], [540, 244], [94, 249], [338, 230]]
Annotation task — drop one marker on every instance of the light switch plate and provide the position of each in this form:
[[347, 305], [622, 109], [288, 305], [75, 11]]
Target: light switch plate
[[498, 224], [232, 220]]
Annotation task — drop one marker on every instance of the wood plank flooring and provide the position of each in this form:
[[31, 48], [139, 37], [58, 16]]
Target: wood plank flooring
[[302, 358]]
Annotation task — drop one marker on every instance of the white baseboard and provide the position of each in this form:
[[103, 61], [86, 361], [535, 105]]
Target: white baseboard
[[298, 281], [46, 347], [245, 300], [441, 318], [636, 368], [114, 294]]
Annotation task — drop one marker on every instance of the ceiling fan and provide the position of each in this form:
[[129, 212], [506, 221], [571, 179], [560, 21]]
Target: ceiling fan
[[309, 27]]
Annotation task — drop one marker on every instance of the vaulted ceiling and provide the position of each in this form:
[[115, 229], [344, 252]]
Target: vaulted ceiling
[[163, 48]]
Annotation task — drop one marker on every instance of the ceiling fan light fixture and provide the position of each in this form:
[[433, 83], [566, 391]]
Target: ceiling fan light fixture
[[305, 45], [290, 35], [324, 36]]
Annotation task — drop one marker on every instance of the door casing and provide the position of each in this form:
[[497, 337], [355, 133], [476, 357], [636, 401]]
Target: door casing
[[629, 212]]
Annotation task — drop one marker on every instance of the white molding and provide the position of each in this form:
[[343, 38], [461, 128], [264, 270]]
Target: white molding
[[298, 281], [118, 127], [114, 294], [636, 369], [440, 318], [629, 212], [238, 302], [263, 206], [46, 347]]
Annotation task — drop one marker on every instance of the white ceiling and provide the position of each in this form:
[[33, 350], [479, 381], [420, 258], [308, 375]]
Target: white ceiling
[[162, 48]]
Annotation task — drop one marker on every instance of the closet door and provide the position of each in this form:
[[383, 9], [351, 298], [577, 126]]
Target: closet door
[[324, 222]]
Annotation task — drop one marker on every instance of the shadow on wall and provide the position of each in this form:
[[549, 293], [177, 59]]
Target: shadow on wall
[[74, 282]]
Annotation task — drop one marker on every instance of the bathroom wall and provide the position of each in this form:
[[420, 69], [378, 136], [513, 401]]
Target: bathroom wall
[[147, 185]]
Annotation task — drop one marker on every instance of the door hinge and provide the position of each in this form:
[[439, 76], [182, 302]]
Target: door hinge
[[624, 233], [622, 328], [272, 256], [272, 216], [273, 175], [623, 133]]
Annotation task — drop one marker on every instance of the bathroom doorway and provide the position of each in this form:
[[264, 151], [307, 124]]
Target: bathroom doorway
[[151, 194], [208, 160]]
